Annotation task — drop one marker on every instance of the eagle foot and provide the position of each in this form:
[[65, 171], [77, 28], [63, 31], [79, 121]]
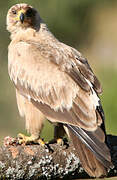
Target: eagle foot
[[22, 139], [60, 141], [41, 142]]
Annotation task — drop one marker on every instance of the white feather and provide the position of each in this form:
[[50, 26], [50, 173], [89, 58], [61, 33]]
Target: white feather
[[95, 98]]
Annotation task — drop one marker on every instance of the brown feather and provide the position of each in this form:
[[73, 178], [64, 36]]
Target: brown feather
[[91, 162], [88, 74], [79, 79]]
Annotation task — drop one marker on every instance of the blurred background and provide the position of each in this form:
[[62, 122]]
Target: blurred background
[[88, 25]]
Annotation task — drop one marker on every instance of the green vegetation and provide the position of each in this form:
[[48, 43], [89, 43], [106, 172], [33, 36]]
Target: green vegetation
[[109, 98]]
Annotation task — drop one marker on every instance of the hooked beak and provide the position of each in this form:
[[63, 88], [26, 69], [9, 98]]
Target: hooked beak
[[22, 17]]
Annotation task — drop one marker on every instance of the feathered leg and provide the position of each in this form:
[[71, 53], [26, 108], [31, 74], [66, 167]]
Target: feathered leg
[[34, 120]]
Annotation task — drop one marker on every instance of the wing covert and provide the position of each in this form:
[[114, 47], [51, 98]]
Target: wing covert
[[52, 85]]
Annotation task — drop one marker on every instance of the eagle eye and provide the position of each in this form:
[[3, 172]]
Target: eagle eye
[[14, 11]]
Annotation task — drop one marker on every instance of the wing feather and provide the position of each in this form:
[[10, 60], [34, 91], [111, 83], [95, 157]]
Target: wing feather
[[60, 87]]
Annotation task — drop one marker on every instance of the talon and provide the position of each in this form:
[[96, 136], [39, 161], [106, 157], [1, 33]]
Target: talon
[[21, 136], [22, 139], [60, 141], [41, 142]]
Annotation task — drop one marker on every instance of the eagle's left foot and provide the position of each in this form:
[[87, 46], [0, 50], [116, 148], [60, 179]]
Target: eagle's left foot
[[60, 141]]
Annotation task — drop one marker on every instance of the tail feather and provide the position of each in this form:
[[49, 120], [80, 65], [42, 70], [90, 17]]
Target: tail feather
[[92, 152]]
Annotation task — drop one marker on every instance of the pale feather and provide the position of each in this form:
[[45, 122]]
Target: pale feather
[[34, 118], [43, 77]]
